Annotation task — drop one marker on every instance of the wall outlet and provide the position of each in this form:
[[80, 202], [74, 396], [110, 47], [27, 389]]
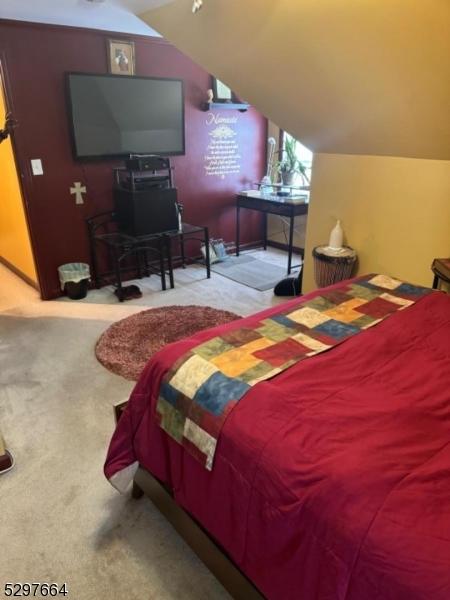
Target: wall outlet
[[36, 166]]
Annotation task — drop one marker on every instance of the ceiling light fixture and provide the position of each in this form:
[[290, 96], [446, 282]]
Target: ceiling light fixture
[[197, 6]]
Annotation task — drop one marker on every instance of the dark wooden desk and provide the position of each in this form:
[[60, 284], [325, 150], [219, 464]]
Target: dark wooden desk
[[289, 207]]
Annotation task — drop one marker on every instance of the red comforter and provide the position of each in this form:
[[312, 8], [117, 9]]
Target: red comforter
[[332, 480]]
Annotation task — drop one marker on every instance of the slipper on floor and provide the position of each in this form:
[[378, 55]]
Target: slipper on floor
[[6, 462], [290, 286], [128, 292]]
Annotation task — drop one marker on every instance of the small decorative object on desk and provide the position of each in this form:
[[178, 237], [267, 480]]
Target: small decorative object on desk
[[266, 181], [331, 265]]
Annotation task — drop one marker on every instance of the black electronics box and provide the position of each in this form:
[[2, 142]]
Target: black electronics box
[[146, 211], [147, 163], [144, 182]]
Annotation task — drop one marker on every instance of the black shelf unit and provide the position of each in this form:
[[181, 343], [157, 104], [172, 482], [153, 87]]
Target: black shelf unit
[[240, 106]]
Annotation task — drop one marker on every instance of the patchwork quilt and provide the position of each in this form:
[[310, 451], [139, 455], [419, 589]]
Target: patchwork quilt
[[204, 385]]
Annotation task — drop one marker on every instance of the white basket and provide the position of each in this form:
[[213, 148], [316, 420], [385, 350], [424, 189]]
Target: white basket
[[74, 272]]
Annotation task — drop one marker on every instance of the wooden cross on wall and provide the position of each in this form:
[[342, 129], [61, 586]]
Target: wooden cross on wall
[[78, 190]]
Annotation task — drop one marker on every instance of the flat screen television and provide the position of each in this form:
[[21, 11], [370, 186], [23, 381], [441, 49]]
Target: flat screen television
[[117, 115]]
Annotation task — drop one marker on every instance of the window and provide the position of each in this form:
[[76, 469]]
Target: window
[[304, 155]]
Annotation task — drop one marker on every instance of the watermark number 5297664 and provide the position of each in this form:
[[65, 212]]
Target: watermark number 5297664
[[35, 589]]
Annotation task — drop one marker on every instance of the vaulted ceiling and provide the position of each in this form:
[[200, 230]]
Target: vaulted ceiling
[[344, 76]]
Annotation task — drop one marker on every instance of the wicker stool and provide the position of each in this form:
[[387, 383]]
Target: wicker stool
[[331, 266]]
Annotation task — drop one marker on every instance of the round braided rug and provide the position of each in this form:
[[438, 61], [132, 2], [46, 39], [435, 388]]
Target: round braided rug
[[126, 346]]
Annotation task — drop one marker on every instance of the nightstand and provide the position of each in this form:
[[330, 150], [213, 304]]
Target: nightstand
[[441, 270]]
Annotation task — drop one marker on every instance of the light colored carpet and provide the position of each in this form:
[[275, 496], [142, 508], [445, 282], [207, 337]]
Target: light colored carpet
[[250, 271], [60, 519]]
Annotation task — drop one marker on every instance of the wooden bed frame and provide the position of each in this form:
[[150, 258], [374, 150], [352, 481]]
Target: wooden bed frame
[[209, 552]]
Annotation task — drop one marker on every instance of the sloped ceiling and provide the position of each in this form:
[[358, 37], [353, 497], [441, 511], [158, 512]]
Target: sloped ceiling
[[110, 15], [343, 76]]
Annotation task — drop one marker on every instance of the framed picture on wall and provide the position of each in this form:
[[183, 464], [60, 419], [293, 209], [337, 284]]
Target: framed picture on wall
[[121, 57], [222, 92]]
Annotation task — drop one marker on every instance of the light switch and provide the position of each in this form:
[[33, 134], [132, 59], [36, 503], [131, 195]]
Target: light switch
[[36, 166]]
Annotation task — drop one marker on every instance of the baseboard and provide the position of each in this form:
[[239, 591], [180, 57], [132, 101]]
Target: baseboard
[[231, 249], [19, 273], [281, 246], [176, 261], [247, 246]]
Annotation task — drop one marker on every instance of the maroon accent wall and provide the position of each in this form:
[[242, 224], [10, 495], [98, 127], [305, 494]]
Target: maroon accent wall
[[37, 57]]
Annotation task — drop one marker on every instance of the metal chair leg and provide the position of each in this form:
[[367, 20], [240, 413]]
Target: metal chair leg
[[169, 261], [207, 254]]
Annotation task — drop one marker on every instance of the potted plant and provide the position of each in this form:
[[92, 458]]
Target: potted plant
[[289, 165]]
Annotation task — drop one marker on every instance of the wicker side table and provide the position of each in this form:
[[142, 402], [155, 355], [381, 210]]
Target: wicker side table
[[331, 266]]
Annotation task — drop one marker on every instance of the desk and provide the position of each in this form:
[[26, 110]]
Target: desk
[[287, 206]]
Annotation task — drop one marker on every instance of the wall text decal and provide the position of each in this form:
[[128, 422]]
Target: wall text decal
[[222, 156]]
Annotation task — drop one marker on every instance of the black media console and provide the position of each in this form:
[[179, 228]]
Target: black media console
[[145, 212], [145, 200], [136, 237]]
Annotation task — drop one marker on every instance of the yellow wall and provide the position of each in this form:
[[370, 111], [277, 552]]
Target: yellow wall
[[359, 83], [366, 77], [14, 238], [395, 212]]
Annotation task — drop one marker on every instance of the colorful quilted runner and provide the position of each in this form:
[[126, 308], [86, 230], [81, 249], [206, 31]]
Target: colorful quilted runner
[[203, 386]]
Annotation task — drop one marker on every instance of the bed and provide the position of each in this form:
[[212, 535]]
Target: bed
[[330, 480]]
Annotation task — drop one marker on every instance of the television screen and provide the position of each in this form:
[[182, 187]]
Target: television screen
[[117, 115]]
